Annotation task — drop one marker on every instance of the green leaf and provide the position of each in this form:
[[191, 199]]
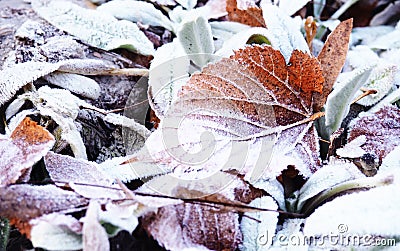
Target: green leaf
[[137, 11], [94, 27], [4, 232], [196, 38], [339, 100]]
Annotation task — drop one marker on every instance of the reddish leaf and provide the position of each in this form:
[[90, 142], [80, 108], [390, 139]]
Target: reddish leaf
[[246, 13], [189, 226], [28, 143], [332, 58], [382, 130], [25, 202]]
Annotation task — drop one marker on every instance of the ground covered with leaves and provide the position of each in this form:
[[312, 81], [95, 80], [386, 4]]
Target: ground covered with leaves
[[199, 125]]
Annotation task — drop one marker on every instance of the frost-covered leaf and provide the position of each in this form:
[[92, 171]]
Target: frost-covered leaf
[[332, 58], [381, 129], [121, 215], [56, 232], [336, 172], [64, 168], [120, 168], [27, 144], [94, 235], [253, 232], [283, 29], [86, 66], [274, 188], [381, 80], [353, 149], [94, 27], [12, 79], [391, 161], [339, 100], [225, 30], [291, 7], [169, 70], [245, 12], [240, 39], [212, 9], [235, 111], [390, 99], [26, 202], [388, 41], [137, 11], [379, 214], [196, 39], [367, 35], [293, 236], [360, 56], [187, 4], [78, 84]]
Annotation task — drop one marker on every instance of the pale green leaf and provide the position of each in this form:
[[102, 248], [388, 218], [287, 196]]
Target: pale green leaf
[[168, 72], [353, 149], [285, 32], [388, 100], [14, 78], [75, 83], [94, 235], [367, 35], [94, 27], [240, 39], [137, 11], [56, 232], [381, 80], [187, 4], [388, 41], [339, 100], [197, 40], [336, 172], [379, 215], [274, 188], [255, 234], [225, 30], [290, 7]]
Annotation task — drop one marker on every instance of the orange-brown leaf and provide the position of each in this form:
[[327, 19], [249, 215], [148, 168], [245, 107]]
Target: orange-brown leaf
[[332, 58], [249, 14], [28, 143]]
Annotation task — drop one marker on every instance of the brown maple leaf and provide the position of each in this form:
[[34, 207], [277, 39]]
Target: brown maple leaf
[[246, 13]]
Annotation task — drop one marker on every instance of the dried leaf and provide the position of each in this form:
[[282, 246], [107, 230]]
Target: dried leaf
[[332, 58], [64, 168], [27, 144], [26, 202], [137, 12], [94, 27], [381, 129], [56, 232], [245, 12], [193, 226], [94, 235], [243, 106]]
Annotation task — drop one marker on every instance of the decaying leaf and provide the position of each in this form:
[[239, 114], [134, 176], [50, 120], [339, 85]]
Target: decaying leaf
[[64, 168], [381, 130], [332, 58], [191, 226], [249, 103], [26, 202], [27, 144], [94, 27], [245, 12]]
